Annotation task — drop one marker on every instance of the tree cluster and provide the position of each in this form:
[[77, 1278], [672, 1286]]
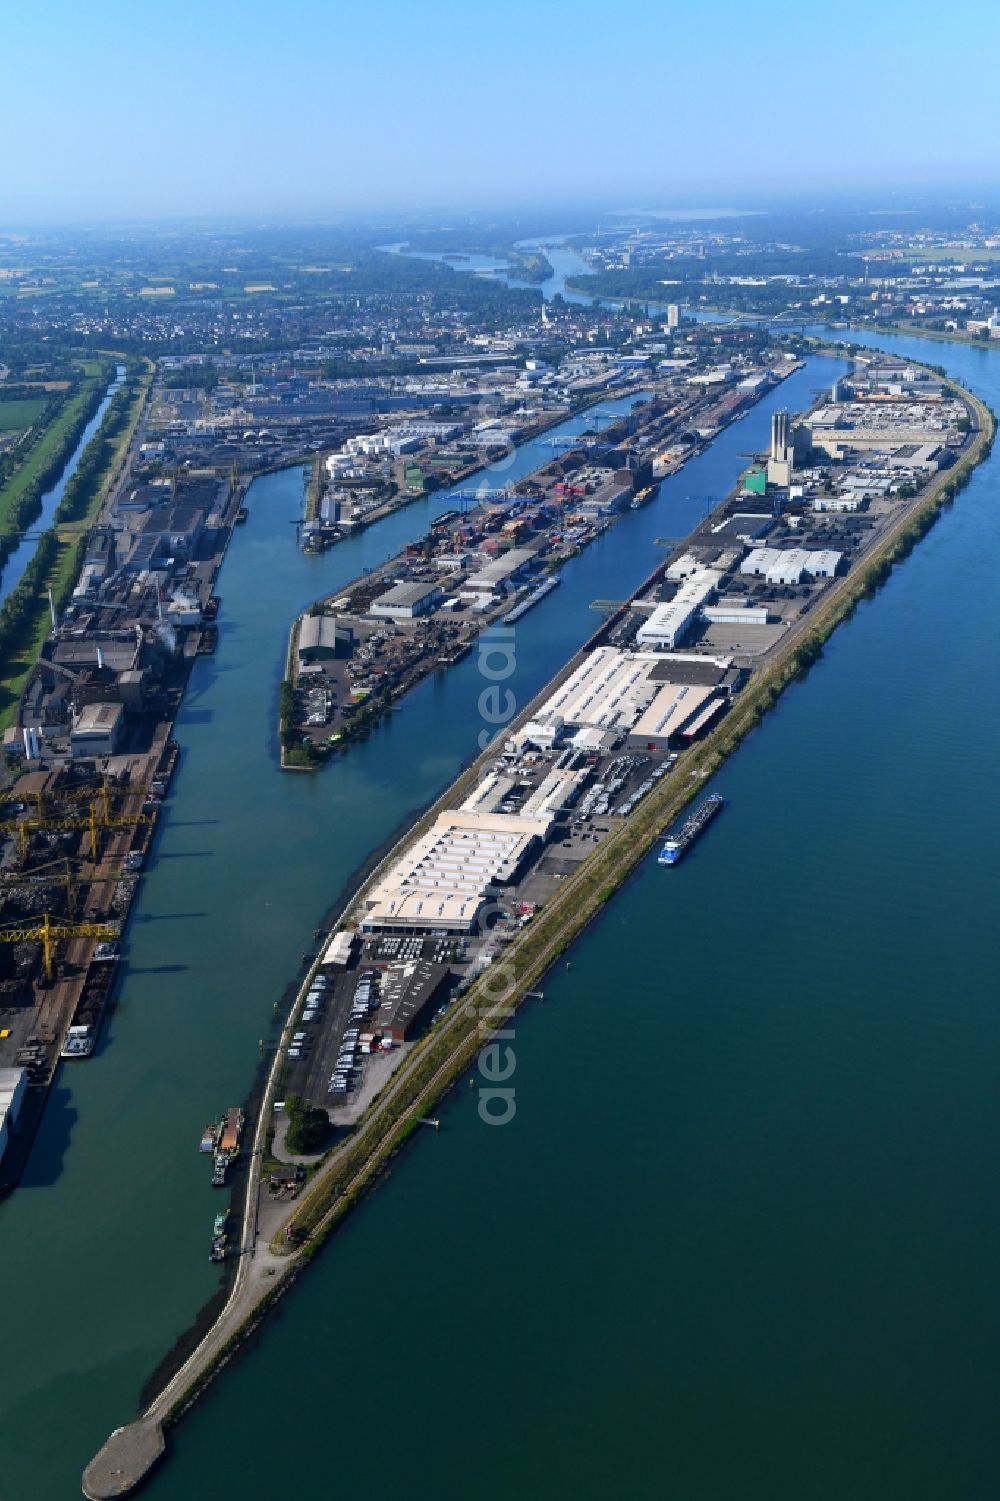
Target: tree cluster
[[308, 1127]]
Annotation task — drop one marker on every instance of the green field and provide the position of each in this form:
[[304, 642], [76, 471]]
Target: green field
[[965, 253], [16, 415], [45, 447]]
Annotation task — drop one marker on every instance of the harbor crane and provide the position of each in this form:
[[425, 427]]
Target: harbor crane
[[40, 797], [44, 878], [483, 493], [25, 827], [89, 793], [49, 930]]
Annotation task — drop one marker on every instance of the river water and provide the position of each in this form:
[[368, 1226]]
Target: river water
[[13, 570], [564, 263], [739, 1240]]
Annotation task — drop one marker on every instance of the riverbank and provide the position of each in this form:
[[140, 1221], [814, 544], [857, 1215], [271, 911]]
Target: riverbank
[[916, 331], [50, 451], [535, 949], [104, 844]]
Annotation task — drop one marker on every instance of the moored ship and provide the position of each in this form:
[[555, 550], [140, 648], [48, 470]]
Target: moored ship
[[228, 1145], [673, 849], [84, 1029], [644, 496], [219, 1238], [532, 599]]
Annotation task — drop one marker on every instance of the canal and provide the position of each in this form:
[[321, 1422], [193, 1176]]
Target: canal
[[739, 1239], [13, 570]]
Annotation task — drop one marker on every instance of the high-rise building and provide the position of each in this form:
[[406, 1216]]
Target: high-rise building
[[673, 315], [779, 436], [782, 460]]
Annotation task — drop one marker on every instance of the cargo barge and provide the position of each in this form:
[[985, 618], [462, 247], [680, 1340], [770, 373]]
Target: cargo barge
[[219, 1237], [644, 496], [228, 1146], [84, 1029], [531, 600], [699, 821]]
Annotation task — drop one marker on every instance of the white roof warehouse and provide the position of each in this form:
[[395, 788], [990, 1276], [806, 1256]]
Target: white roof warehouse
[[440, 883]]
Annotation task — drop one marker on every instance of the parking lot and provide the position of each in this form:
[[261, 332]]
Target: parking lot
[[334, 1047], [326, 1058]]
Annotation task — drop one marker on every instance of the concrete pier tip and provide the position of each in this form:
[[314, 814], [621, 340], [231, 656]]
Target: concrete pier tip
[[126, 1459]]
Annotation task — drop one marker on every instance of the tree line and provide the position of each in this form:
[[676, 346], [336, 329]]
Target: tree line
[[26, 507]]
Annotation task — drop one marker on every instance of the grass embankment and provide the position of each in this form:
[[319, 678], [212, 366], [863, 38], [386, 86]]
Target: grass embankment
[[314, 489], [441, 1057], [24, 618], [40, 465]]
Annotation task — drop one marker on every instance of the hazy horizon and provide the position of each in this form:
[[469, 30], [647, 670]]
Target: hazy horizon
[[235, 110]]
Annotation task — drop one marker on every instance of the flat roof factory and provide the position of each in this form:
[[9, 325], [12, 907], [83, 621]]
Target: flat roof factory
[[441, 881]]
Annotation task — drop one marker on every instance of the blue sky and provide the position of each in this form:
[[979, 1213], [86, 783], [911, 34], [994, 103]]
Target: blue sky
[[130, 109]]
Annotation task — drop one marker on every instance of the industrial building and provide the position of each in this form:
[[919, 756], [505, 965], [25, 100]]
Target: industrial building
[[97, 730], [174, 528], [743, 526], [791, 564], [339, 948], [407, 992], [13, 1084], [883, 425], [845, 504], [439, 884], [612, 493], [406, 601], [500, 574], [669, 623], [683, 567], [789, 446], [608, 691], [557, 791], [779, 435], [645, 695], [695, 667], [677, 709], [321, 639], [736, 612]]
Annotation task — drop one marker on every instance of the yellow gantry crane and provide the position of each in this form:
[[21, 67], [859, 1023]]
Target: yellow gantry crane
[[45, 877], [42, 797], [49, 929], [93, 821]]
